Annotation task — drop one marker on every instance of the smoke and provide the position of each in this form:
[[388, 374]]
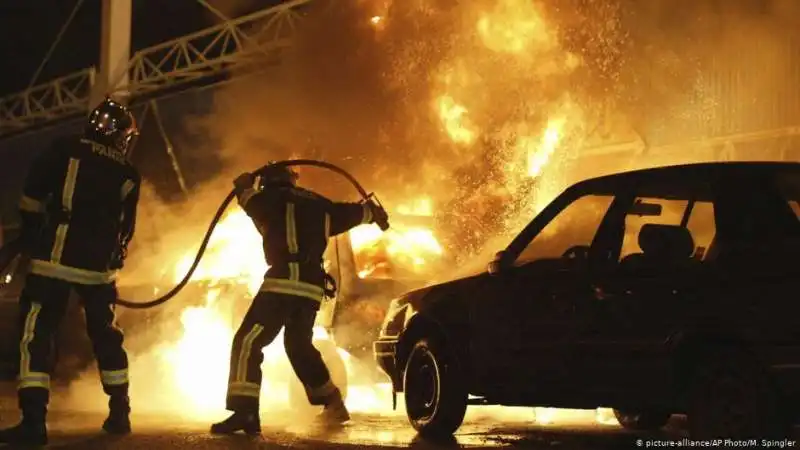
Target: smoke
[[370, 94], [373, 97]]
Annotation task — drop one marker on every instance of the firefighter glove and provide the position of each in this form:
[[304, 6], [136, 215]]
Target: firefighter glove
[[379, 214], [244, 181]]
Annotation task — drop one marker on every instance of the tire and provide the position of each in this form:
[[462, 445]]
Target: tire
[[731, 395], [298, 400], [435, 392], [642, 421]]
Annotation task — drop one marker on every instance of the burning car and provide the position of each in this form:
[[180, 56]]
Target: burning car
[[655, 292], [345, 328]]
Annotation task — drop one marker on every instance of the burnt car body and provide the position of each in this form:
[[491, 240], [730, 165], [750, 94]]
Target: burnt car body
[[655, 292]]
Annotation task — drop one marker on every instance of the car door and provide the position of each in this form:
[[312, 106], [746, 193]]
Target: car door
[[622, 345], [523, 315], [520, 329]]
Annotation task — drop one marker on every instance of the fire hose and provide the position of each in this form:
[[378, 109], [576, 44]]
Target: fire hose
[[218, 216]]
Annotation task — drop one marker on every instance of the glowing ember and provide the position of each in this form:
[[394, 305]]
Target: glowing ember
[[376, 20]]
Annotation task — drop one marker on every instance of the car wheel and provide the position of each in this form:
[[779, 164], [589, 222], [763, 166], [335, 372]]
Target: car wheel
[[641, 421], [731, 395], [297, 393], [435, 393]]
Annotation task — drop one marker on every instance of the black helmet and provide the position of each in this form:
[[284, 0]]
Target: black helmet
[[111, 124], [276, 175]]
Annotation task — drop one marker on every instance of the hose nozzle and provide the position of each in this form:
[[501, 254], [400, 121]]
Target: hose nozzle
[[379, 214]]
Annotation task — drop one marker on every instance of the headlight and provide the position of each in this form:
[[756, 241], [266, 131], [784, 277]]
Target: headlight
[[391, 313]]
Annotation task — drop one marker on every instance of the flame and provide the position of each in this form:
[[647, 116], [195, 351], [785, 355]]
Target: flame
[[406, 247], [516, 35], [420, 207], [452, 116], [198, 360], [539, 156], [233, 253], [512, 27]]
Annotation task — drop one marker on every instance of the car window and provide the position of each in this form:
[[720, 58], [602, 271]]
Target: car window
[[702, 227], [700, 224], [576, 225], [671, 214]]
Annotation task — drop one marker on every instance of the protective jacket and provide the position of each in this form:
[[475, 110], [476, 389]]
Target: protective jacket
[[79, 211], [296, 224]]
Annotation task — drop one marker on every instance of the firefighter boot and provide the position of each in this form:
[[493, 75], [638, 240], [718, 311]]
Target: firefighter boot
[[31, 431], [335, 412], [249, 422], [118, 421]]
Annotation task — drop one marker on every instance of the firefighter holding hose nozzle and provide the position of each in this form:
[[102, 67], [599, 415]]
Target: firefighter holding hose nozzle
[[295, 225], [78, 214]]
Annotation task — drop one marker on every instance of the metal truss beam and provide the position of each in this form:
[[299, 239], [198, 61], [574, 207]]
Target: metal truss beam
[[235, 43], [263, 34], [46, 102]]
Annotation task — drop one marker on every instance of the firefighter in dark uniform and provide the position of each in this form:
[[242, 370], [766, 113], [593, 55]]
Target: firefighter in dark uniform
[[78, 214], [295, 224]]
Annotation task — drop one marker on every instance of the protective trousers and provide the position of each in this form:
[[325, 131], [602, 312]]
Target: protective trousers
[[268, 313], [43, 304]]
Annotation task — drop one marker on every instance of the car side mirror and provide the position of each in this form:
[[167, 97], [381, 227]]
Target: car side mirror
[[498, 264]]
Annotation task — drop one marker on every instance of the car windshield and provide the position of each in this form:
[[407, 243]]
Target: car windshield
[[575, 226]]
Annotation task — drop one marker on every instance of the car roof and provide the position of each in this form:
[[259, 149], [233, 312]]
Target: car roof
[[683, 181]]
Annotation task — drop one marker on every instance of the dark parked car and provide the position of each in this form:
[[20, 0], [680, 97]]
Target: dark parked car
[[655, 292]]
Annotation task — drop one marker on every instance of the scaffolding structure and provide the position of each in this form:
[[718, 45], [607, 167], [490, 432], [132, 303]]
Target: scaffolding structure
[[213, 51]]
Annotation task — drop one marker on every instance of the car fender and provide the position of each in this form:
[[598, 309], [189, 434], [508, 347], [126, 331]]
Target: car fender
[[419, 325]]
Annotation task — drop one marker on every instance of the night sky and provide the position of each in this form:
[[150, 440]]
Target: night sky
[[29, 27]]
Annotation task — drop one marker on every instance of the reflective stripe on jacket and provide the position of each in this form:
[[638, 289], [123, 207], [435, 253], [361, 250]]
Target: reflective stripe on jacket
[[79, 202], [296, 225]]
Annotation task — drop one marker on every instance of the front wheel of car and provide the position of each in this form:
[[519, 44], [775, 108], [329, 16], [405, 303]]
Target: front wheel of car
[[641, 420], [731, 395], [435, 391]]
